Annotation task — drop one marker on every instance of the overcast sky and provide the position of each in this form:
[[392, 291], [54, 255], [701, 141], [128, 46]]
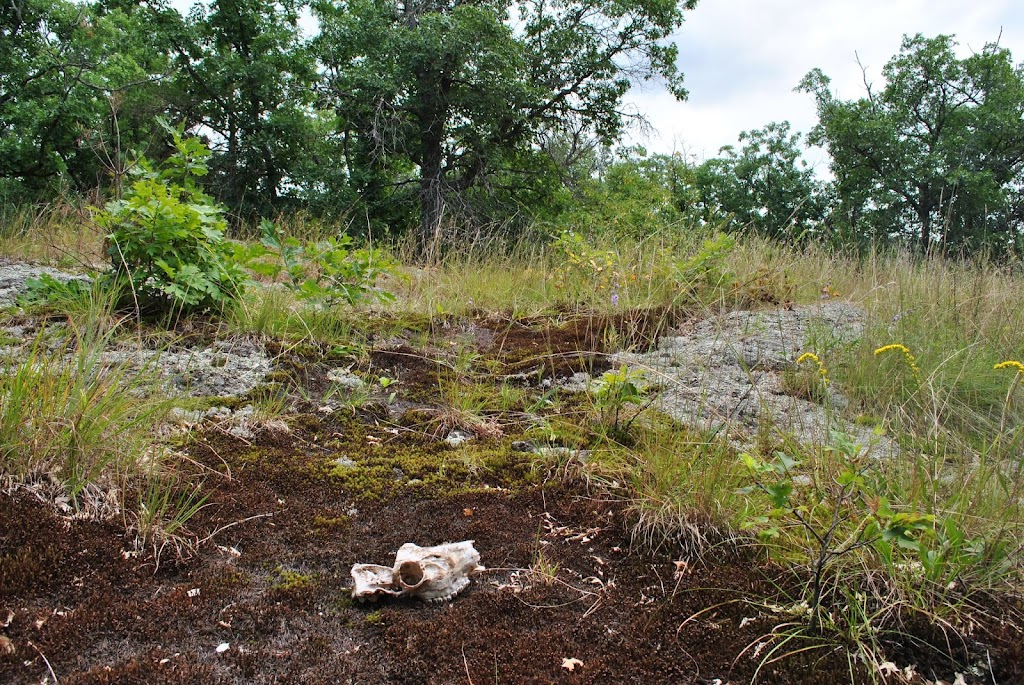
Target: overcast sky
[[742, 59]]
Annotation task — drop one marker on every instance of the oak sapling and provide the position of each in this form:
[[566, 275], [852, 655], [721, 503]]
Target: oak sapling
[[328, 271], [166, 236]]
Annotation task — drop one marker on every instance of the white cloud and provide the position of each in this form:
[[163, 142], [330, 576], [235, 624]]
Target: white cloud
[[742, 59]]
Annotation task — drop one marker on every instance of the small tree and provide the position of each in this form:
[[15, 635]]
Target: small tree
[[166, 236]]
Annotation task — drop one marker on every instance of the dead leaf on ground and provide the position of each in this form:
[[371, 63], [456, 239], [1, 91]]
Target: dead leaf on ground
[[571, 664]]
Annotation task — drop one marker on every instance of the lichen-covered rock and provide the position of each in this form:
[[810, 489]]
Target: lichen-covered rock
[[14, 275], [345, 379], [227, 368], [725, 372]]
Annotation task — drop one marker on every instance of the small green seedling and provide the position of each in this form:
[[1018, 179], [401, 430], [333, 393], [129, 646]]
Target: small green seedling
[[615, 389]]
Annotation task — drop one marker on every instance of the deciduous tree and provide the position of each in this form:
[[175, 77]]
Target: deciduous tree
[[449, 94], [767, 186], [936, 157], [248, 79]]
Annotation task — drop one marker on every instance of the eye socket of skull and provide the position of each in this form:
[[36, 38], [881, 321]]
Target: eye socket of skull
[[410, 574]]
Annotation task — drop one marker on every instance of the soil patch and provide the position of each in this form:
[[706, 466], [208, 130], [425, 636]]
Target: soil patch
[[556, 348], [267, 601]]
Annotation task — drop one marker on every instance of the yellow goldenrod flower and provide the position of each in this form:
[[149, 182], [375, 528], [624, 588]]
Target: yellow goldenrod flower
[[810, 356], [911, 359], [1010, 364], [887, 348]]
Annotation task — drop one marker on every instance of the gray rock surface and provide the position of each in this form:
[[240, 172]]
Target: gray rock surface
[[345, 379], [725, 372], [14, 275], [227, 368], [456, 437]]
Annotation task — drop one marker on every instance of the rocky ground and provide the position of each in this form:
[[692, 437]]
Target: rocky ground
[[297, 499], [725, 373]]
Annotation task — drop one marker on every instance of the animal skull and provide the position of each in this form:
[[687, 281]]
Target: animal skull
[[433, 574]]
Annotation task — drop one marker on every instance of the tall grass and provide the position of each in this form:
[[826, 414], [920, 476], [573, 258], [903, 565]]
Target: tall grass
[[69, 414], [71, 417], [60, 232], [683, 490]]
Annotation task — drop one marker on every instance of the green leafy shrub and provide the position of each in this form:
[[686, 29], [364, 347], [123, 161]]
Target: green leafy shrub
[[326, 271], [166, 236], [706, 270], [579, 258], [828, 509]]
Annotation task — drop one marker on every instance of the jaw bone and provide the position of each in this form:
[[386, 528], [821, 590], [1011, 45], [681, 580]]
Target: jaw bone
[[433, 574]]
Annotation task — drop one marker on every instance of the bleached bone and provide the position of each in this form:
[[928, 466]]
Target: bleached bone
[[371, 581], [436, 574], [433, 574]]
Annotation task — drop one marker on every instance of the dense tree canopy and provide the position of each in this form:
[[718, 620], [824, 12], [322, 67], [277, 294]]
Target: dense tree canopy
[[458, 94], [248, 81], [423, 115], [766, 186], [937, 155], [78, 86]]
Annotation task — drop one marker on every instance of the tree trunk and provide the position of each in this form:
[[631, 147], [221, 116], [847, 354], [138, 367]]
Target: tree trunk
[[433, 86], [431, 194], [924, 218]]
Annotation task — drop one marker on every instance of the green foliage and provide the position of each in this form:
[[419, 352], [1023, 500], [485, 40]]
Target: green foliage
[[623, 273], [167, 236], [48, 290], [326, 271], [935, 157], [614, 390], [578, 260], [249, 76], [634, 195], [450, 96], [835, 505], [824, 516], [766, 187], [705, 271], [76, 89]]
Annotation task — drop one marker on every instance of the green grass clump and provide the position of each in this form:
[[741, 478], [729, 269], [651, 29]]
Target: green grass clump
[[167, 500], [67, 412], [682, 488]]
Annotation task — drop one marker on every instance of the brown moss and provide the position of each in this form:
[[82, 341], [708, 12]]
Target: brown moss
[[554, 347]]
